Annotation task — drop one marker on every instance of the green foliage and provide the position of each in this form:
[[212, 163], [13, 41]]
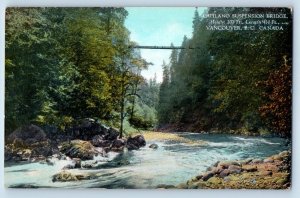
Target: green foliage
[[164, 99], [30, 65], [219, 84], [63, 64], [144, 117], [67, 63]]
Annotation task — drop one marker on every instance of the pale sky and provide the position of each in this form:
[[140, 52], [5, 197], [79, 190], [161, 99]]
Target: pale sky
[[159, 26]]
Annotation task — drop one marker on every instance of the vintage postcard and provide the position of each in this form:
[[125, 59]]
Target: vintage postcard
[[148, 97]]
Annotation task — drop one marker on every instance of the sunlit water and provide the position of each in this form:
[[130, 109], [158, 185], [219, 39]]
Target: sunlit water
[[172, 163]]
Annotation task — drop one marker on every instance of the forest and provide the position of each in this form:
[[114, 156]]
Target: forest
[[238, 81], [63, 65], [67, 64]]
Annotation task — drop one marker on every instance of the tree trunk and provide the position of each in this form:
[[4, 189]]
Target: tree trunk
[[122, 105], [122, 117], [133, 101]]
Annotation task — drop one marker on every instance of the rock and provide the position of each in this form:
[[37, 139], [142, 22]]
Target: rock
[[193, 185], [225, 165], [26, 154], [27, 135], [134, 143], [216, 164], [49, 162], [207, 175], [265, 173], [118, 145], [17, 152], [257, 161], [194, 179], [214, 180], [65, 176], [216, 170], [224, 173], [56, 156], [24, 186], [68, 166], [284, 153], [249, 168], [122, 162], [153, 146], [268, 160], [278, 157], [235, 163], [165, 186], [112, 134], [42, 149], [182, 186], [76, 162], [234, 169], [40, 159], [99, 141], [267, 166], [87, 128], [90, 164], [79, 149], [87, 166], [8, 153], [246, 161], [255, 175], [209, 168]]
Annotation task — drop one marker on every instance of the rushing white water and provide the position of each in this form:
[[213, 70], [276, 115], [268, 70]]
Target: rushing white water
[[172, 163]]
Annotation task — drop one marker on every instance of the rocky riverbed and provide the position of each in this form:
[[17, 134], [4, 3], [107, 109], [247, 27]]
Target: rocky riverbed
[[104, 161], [269, 173], [30, 143]]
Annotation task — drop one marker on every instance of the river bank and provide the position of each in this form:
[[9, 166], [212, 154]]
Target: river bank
[[166, 159], [273, 172], [171, 128]]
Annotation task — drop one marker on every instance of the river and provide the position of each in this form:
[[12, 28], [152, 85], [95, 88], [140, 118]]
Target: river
[[172, 163]]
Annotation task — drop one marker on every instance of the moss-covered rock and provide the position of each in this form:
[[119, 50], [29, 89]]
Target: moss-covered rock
[[65, 176], [79, 149], [23, 152]]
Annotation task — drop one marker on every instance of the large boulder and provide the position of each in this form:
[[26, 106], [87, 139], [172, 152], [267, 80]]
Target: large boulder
[[79, 149], [99, 141], [27, 135], [118, 145], [134, 143], [35, 152], [88, 128], [28, 143], [43, 149], [112, 134], [65, 176]]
